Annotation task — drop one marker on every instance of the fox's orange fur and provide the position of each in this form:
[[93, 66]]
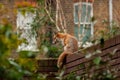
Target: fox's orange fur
[[70, 44]]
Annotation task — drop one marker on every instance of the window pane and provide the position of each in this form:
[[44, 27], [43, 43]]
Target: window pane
[[85, 21], [76, 14], [83, 13], [76, 31], [87, 33], [81, 28], [88, 13], [25, 30], [85, 30]]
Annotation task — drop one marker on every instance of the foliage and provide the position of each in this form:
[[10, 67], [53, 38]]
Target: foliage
[[23, 64], [71, 76], [8, 68], [44, 28], [25, 6], [42, 25], [53, 51], [42, 19], [112, 30]]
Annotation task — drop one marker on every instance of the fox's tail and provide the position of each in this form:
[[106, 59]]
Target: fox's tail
[[61, 59]]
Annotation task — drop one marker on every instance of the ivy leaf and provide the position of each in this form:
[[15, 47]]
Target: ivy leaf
[[17, 66], [88, 55], [78, 78], [27, 72], [97, 60], [114, 51]]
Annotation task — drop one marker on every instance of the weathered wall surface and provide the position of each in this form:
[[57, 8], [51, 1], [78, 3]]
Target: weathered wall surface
[[100, 13], [116, 11], [67, 6], [7, 12]]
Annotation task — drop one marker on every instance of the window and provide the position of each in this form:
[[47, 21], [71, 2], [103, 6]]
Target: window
[[25, 30], [83, 13]]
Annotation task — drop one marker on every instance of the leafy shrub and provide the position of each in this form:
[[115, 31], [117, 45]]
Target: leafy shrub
[[54, 51]]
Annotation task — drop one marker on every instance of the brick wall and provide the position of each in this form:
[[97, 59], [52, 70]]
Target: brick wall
[[8, 11], [67, 6], [116, 11], [100, 13]]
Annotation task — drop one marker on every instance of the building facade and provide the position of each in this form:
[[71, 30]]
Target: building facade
[[90, 17], [82, 18]]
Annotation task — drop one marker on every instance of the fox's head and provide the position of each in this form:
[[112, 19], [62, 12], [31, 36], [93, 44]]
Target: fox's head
[[57, 37]]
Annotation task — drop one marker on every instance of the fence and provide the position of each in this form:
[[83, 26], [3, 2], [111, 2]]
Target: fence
[[74, 61], [48, 66]]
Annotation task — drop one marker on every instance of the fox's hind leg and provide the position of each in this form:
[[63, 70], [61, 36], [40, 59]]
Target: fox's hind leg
[[61, 58]]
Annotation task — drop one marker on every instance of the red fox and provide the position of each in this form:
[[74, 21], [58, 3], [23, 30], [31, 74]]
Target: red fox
[[70, 44]]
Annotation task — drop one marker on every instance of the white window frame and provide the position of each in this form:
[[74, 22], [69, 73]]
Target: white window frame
[[23, 27], [86, 3]]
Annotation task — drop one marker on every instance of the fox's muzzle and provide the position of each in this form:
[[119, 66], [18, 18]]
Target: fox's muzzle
[[54, 41]]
